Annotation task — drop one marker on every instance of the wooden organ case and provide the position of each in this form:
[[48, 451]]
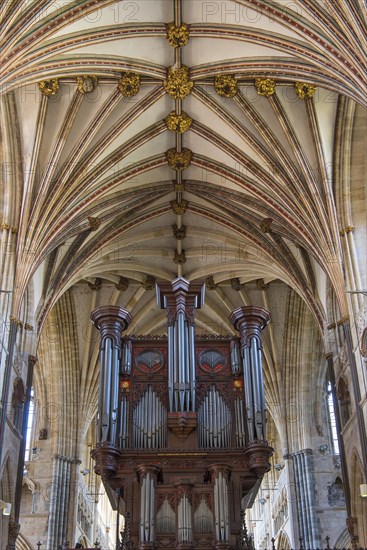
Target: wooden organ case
[[181, 424]]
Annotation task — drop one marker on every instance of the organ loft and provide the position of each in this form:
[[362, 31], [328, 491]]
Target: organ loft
[[181, 430]]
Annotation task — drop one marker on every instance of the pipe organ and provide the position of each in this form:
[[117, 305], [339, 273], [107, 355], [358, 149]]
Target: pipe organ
[[181, 423]]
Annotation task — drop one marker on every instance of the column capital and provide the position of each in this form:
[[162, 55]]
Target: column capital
[[144, 469], [111, 321], [216, 469], [180, 295], [249, 321]]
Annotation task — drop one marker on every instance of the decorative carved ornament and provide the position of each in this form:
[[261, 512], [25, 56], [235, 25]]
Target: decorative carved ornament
[[261, 285], [178, 36], [226, 85], [265, 224], [178, 123], [94, 223], [182, 423], [178, 84], [179, 160], [304, 91], [149, 283], [179, 233], [8, 227], [97, 285], [235, 284], [258, 455], [123, 284], [209, 282], [265, 86], [179, 187], [179, 257], [49, 87], [86, 83], [129, 84], [179, 208]]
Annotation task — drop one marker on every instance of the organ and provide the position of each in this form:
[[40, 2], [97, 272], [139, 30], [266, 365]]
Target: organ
[[181, 423]]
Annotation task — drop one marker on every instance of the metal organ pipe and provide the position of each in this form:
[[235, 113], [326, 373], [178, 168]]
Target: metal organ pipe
[[150, 421], [111, 321], [181, 298], [235, 357], [215, 420], [250, 321], [220, 475], [184, 520]]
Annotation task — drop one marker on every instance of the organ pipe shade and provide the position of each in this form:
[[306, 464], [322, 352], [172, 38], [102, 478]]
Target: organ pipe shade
[[149, 422], [214, 421]]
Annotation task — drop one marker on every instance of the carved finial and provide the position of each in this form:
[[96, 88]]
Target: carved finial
[[94, 223], [123, 284], [178, 84], [304, 91], [179, 208], [179, 232], [178, 123], [179, 160], [177, 36], [265, 86], [149, 283], [266, 224], [97, 285], [226, 85], [86, 83], [129, 84], [210, 284], [179, 257], [49, 87]]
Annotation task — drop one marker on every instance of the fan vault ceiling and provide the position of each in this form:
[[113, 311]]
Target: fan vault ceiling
[[129, 168]]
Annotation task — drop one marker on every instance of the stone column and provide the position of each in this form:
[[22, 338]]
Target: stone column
[[250, 321], [60, 499], [13, 532], [356, 391], [111, 321], [305, 493], [220, 474], [147, 477]]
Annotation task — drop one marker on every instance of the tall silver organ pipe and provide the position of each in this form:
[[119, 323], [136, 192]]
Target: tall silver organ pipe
[[124, 424], [184, 517], [149, 422], [147, 509], [236, 362], [250, 321], [126, 356], [111, 321], [214, 421], [240, 423], [181, 298], [220, 473]]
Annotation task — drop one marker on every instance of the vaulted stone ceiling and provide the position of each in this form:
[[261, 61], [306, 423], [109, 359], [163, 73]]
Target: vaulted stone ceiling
[[97, 198]]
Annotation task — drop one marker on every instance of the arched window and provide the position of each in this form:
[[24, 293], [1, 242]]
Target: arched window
[[333, 434], [30, 426]]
